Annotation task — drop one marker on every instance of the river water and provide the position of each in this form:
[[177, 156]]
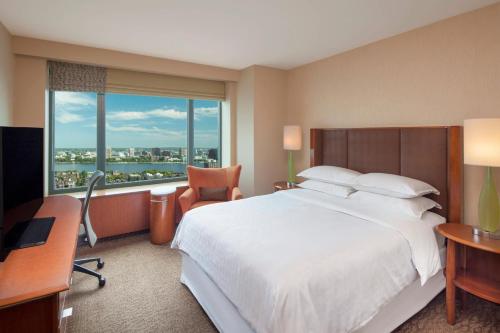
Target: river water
[[126, 167]]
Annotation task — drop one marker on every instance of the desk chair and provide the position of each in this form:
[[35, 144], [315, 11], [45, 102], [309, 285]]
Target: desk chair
[[88, 235]]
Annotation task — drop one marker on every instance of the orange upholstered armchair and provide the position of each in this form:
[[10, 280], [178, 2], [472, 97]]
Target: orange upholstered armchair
[[211, 185]]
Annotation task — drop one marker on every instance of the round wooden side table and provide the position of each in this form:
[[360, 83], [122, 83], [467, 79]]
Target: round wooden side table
[[474, 274], [283, 185]]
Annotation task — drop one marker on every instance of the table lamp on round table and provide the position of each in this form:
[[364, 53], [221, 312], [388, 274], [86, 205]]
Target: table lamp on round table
[[292, 140], [482, 147]]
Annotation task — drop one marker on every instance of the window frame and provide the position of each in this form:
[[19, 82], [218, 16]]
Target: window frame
[[101, 146]]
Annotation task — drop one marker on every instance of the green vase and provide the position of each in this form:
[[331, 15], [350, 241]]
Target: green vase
[[489, 206], [291, 168]]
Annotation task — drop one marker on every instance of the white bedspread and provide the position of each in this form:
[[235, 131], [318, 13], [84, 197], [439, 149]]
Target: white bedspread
[[303, 261]]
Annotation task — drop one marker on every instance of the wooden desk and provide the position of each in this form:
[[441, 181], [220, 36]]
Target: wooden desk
[[477, 271], [33, 280]]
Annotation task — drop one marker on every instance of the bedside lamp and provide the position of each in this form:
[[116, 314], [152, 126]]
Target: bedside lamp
[[482, 147], [292, 140]]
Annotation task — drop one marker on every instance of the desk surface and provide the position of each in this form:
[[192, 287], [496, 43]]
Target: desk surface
[[44, 270]]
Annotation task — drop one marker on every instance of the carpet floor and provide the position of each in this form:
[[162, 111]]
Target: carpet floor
[[143, 294]]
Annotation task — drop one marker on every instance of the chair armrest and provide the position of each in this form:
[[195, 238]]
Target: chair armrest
[[187, 199], [236, 194]]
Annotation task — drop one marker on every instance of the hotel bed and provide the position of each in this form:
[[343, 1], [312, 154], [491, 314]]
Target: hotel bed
[[305, 261]]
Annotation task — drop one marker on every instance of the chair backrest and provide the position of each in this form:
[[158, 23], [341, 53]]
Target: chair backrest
[[89, 231], [213, 177]]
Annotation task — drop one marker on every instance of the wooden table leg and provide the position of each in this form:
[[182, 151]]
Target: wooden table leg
[[450, 284], [463, 256]]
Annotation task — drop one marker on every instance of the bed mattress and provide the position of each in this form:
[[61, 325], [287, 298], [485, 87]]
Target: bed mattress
[[299, 260], [227, 318]]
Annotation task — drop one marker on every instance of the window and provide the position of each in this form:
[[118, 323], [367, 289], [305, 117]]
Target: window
[[146, 138], [74, 140], [134, 139], [206, 130]]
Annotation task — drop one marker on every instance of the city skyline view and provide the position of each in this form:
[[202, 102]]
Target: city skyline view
[[133, 121], [146, 137]]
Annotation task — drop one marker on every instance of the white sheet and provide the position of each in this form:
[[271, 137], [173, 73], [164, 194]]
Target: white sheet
[[293, 262]]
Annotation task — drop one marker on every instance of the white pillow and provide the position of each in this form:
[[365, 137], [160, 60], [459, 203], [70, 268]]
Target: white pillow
[[415, 207], [393, 185], [330, 174], [328, 188]]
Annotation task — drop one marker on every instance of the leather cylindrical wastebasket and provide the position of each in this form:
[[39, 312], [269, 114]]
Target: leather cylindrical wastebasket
[[161, 214]]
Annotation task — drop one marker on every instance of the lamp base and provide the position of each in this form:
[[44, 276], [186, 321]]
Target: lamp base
[[489, 206], [291, 168], [480, 232]]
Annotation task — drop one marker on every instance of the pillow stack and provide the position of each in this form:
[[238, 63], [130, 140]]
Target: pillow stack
[[331, 180], [393, 192]]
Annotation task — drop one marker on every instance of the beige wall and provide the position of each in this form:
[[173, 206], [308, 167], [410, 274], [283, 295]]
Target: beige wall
[[245, 146], [261, 114], [436, 75], [29, 91], [269, 118], [6, 77], [228, 129], [115, 59]]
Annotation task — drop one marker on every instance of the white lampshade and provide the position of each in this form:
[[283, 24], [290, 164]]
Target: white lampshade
[[292, 137], [482, 142]]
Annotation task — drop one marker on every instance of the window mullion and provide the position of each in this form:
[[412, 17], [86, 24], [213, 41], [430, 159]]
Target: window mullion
[[219, 155], [101, 137], [51, 178], [190, 126]]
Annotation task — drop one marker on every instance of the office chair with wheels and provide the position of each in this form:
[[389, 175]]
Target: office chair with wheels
[[88, 235]]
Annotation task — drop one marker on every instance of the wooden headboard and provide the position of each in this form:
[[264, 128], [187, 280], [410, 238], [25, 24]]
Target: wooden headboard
[[430, 154]]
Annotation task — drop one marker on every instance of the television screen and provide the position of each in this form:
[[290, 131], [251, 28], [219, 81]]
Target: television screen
[[21, 176]]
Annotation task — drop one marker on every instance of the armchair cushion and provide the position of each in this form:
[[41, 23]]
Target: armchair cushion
[[213, 193], [204, 203]]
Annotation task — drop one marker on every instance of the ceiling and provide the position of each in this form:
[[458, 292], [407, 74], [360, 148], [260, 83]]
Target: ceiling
[[228, 33]]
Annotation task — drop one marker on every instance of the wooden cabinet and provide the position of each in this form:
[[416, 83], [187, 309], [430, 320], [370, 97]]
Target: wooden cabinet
[[34, 280]]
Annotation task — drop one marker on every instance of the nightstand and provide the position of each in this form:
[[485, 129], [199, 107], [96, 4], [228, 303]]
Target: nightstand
[[478, 261], [283, 185]]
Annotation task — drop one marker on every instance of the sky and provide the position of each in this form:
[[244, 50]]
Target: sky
[[133, 121]]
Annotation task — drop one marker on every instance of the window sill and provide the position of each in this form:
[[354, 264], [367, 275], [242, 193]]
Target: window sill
[[123, 190]]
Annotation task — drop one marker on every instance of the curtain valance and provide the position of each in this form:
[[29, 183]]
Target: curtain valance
[[76, 77]]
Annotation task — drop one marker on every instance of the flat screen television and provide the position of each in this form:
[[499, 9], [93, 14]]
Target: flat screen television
[[21, 187]]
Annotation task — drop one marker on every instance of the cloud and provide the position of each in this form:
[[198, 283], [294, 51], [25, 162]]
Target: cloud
[[140, 115], [74, 99], [168, 113], [68, 117], [154, 131], [162, 113], [69, 104], [126, 115], [126, 128], [206, 112]]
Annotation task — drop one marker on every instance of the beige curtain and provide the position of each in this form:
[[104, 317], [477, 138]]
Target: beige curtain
[[76, 77], [139, 83]]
